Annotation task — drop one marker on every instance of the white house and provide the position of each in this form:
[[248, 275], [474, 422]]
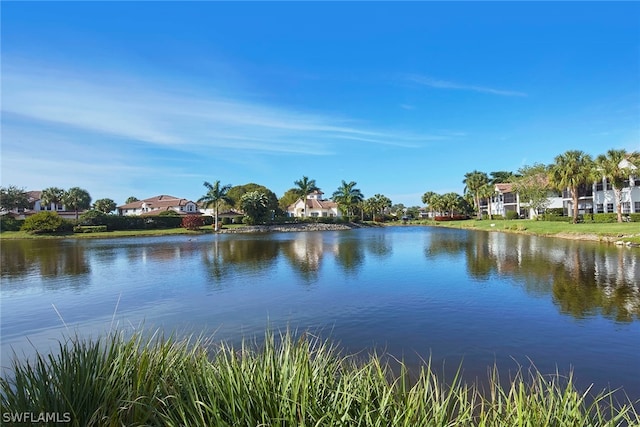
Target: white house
[[506, 199], [599, 197], [158, 204], [36, 205], [315, 206]]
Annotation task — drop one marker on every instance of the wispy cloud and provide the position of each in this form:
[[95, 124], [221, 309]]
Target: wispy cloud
[[444, 84], [177, 118]]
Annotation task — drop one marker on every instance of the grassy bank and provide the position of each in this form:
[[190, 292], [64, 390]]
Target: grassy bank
[[287, 381], [608, 232], [107, 234]]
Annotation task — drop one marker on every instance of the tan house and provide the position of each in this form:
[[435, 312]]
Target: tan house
[[156, 205], [315, 206], [36, 205]]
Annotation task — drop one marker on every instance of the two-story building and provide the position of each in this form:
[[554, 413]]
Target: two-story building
[[156, 205], [314, 206]]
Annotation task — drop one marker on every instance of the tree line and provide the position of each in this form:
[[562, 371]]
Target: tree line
[[570, 171]]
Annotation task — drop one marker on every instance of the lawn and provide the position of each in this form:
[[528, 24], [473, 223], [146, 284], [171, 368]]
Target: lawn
[[591, 231], [109, 234]]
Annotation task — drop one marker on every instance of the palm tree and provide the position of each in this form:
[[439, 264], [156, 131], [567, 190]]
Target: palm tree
[[473, 181], [347, 196], [571, 170], [616, 167], [426, 199], [305, 186], [215, 194], [452, 202], [76, 198], [486, 192], [51, 195], [437, 203], [255, 205]]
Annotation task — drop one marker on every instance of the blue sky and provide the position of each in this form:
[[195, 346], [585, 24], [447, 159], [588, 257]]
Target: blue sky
[[154, 98]]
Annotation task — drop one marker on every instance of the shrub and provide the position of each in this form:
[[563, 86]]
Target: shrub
[[163, 221], [450, 218], [512, 215], [93, 217], [169, 212], [554, 211], [89, 228], [45, 222], [192, 222], [8, 223]]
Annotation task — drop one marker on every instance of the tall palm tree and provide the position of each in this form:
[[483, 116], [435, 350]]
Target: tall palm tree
[[486, 192], [51, 195], [215, 194], [347, 196], [426, 199], [452, 202], [616, 166], [571, 170], [304, 187], [76, 198], [473, 181]]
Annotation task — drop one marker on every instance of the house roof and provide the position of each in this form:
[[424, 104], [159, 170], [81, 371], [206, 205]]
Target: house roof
[[34, 195], [158, 202], [504, 188], [315, 204]]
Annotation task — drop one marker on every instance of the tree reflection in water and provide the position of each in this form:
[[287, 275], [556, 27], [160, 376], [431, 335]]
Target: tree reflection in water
[[584, 279]]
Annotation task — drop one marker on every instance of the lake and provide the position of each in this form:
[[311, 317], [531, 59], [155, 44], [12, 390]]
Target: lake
[[454, 296]]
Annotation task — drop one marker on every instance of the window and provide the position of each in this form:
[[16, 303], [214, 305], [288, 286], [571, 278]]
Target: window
[[609, 207], [599, 186], [626, 207], [600, 207], [314, 214], [608, 185], [636, 207], [626, 183]]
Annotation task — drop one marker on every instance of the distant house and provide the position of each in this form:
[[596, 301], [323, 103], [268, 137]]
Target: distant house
[[156, 205], [507, 199], [36, 205], [315, 206]]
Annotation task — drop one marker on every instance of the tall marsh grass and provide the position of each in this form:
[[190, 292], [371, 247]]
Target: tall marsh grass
[[285, 381]]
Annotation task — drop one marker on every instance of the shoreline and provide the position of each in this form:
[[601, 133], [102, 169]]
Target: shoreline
[[616, 238], [297, 227]]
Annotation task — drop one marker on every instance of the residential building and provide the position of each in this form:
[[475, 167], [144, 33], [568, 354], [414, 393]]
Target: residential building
[[315, 206], [156, 205], [36, 205], [599, 197], [507, 199]]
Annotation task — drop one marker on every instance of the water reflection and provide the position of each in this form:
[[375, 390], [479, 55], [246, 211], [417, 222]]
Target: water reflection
[[46, 258], [305, 254], [584, 279]]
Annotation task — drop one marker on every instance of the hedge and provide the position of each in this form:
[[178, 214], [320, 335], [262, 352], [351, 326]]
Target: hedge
[[89, 228], [8, 223]]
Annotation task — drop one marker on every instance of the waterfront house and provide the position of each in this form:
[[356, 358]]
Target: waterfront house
[[36, 206], [156, 205], [315, 206]]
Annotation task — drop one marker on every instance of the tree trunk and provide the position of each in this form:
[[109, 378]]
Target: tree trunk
[[215, 217], [574, 196], [618, 193], [477, 200]]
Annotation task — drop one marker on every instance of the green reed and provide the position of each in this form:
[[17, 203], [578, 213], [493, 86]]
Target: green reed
[[284, 381]]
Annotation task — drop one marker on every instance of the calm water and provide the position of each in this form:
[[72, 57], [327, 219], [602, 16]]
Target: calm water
[[452, 295]]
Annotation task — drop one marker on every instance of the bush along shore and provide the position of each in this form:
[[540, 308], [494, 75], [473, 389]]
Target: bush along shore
[[286, 381]]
